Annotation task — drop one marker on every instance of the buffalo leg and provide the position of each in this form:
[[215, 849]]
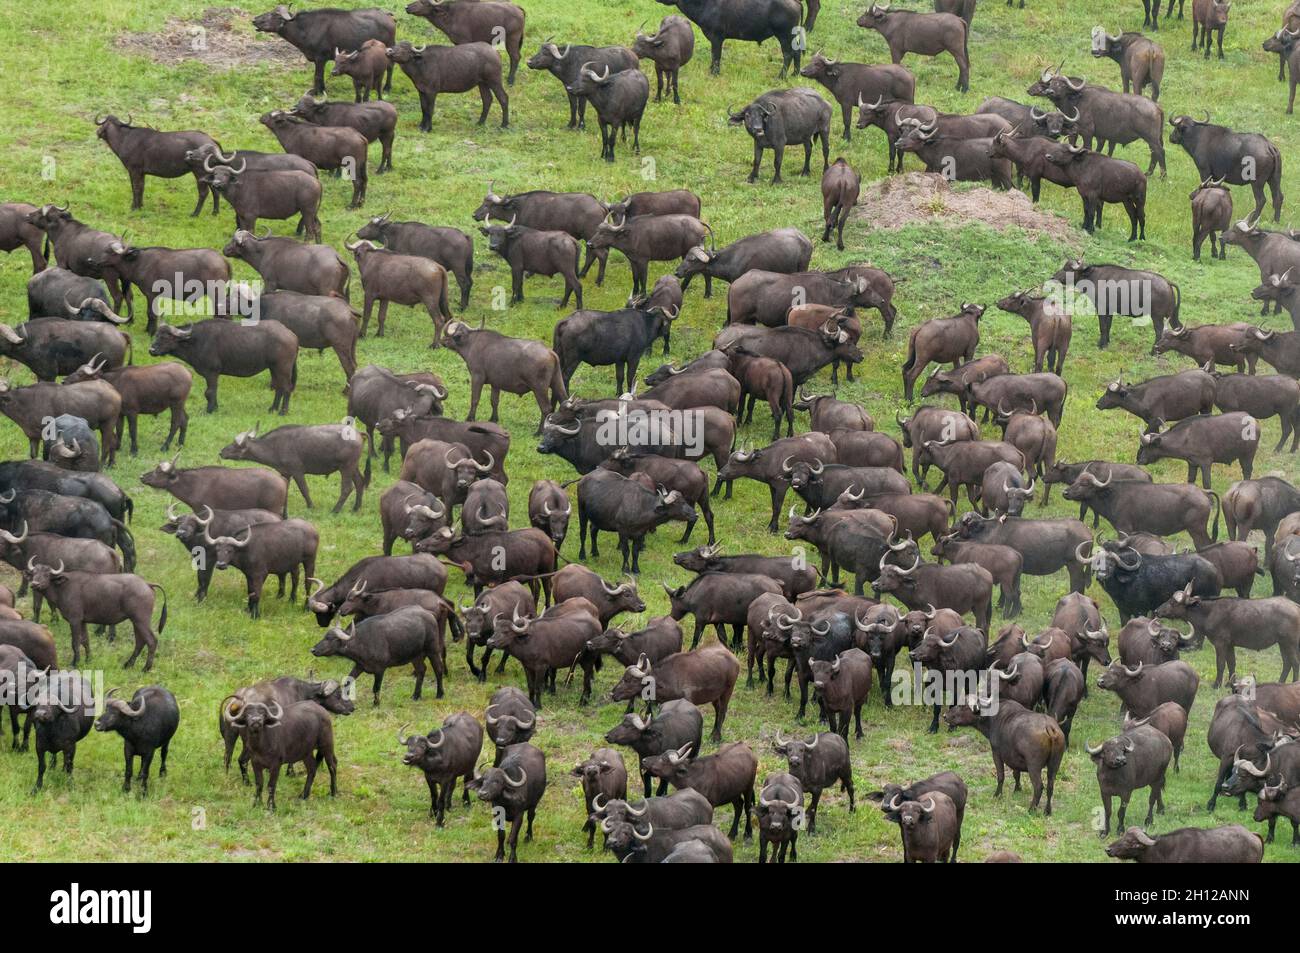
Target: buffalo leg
[[128, 753], [137, 190], [418, 667], [210, 390], [312, 765], [514, 838], [40, 766], [301, 482], [203, 198]]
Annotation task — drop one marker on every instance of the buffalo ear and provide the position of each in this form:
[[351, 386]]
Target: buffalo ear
[[877, 796], [576, 771], [1193, 600]]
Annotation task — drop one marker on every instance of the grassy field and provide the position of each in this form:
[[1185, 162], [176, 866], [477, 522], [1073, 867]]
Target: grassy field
[[63, 68]]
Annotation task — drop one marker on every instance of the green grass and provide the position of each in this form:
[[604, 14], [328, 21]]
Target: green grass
[[62, 69]]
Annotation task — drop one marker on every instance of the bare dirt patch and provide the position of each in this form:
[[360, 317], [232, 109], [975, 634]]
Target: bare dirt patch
[[222, 38], [929, 198]]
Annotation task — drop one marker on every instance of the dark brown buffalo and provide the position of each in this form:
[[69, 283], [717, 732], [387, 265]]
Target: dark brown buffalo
[[1211, 217], [619, 99], [145, 151], [1203, 441], [927, 34], [753, 20], [1100, 179], [1141, 61], [214, 347], [772, 465], [1211, 344], [366, 66], [670, 48], [1136, 506], [866, 448], [678, 723], [206, 159], [852, 83], [390, 277], [449, 247], [555, 640], [964, 588], [578, 214], [296, 451], [575, 580], [1170, 719], [1144, 688], [725, 777], [927, 425], [95, 402], [780, 250], [1020, 739], [377, 393], [1137, 758], [17, 232], [704, 677], [891, 797], [410, 635], [1262, 396], [1029, 155], [477, 21], [531, 251], [840, 184], [327, 147], [612, 502], [452, 69], [103, 598], [221, 488], [566, 64], [194, 530], [1118, 291], [318, 34], [939, 341], [549, 509], [74, 244], [288, 265], [182, 275], [277, 548], [55, 346], [512, 798], [375, 120], [1111, 118], [1231, 623], [1050, 328], [1231, 844], [1162, 399], [1042, 393], [444, 754], [274, 194]]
